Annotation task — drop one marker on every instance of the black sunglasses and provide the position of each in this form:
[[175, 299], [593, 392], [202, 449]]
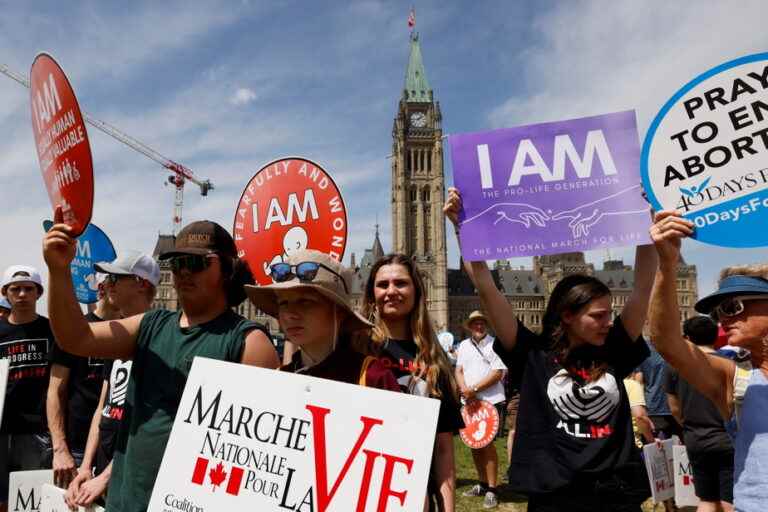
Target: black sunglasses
[[112, 279], [192, 262], [305, 271]]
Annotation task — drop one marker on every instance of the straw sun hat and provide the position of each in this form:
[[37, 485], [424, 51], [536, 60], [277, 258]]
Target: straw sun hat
[[328, 283], [475, 315]]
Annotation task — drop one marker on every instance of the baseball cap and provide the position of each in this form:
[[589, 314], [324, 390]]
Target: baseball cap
[[132, 263], [732, 285], [200, 238], [21, 274]]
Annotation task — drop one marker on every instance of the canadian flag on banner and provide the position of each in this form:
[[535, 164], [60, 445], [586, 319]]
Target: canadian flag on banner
[[412, 18], [217, 475]]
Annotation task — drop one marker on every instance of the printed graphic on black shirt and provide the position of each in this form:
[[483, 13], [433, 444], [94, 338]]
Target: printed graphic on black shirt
[[118, 388], [27, 358], [584, 408]]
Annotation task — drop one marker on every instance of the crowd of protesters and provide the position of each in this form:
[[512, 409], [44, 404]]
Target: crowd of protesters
[[93, 397]]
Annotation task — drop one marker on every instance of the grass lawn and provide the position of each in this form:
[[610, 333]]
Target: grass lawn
[[466, 477]]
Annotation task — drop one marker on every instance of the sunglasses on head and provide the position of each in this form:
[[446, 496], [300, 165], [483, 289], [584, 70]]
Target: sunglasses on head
[[305, 271], [733, 306], [194, 263]]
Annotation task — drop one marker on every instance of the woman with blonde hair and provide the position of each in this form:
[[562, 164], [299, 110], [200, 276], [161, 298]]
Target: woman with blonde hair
[[404, 341]]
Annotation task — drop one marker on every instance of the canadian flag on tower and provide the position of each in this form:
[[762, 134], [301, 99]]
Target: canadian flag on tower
[[218, 475], [412, 18]]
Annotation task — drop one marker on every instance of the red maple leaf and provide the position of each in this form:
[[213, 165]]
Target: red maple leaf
[[217, 476]]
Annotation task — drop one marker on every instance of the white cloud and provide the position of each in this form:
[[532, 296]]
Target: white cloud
[[243, 96]]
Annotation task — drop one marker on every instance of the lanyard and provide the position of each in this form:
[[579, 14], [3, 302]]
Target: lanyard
[[485, 359]]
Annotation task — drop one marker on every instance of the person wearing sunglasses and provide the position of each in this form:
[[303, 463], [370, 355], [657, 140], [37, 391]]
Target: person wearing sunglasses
[[162, 344], [739, 389], [128, 288], [76, 381], [403, 338], [310, 299]]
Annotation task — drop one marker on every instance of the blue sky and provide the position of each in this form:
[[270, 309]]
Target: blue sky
[[224, 87]]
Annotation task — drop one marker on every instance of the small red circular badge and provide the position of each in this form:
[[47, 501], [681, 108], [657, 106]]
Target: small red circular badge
[[290, 204], [481, 420]]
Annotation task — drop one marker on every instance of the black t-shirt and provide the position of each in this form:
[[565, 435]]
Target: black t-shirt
[[399, 356], [85, 377], [703, 427], [116, 374], [567, 428], [28, 347]]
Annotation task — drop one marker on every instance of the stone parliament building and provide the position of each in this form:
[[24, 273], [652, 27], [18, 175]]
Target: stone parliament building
[[418, 230]]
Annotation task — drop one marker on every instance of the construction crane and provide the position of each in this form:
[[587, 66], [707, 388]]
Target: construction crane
[[180, 173]]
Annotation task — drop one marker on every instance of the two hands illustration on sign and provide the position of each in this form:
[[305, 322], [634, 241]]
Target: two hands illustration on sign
[[580, 219]]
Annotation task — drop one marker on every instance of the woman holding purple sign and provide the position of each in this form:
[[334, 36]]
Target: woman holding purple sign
[[574, 445]]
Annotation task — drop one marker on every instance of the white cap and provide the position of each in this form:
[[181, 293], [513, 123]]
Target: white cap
[[132, 263], [21, 274]]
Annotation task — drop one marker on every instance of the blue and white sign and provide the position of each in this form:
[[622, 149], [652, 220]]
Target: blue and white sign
[[93, 246], [706, 154]]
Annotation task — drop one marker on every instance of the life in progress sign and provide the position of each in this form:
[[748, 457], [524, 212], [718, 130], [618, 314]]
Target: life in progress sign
[[706, 154]]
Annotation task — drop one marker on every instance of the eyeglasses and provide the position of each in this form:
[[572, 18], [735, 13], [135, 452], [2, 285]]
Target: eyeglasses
[[733, 306], [193, 262], [305, 271]]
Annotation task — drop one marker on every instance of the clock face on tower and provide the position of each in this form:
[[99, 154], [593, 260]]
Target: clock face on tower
[[419, 119]]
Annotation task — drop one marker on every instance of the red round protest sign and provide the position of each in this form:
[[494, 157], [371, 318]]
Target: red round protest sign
[[62, 142], [481, 420], [290, 204]]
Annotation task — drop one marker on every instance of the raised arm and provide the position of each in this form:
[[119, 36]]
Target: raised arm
[[500, 312], [635, 311], [711, 376], [114, 339]]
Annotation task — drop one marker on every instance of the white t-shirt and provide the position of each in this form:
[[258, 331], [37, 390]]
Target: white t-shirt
[[477, 361]]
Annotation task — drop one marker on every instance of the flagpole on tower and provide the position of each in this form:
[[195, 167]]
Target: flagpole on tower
[[412, 20]]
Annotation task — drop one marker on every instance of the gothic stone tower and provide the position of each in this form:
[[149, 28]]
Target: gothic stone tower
[[418, 184]]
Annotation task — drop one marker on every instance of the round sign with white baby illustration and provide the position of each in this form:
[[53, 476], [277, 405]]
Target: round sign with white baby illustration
[[290, 204], [481, 423]]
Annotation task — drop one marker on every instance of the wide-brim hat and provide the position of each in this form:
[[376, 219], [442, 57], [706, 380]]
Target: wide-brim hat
[[475, 315], [326, 283], [733, 285]]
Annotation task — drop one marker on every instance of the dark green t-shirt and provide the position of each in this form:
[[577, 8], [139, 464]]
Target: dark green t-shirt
[[161, 364]]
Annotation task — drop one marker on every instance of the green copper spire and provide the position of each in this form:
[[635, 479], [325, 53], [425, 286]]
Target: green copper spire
[[416, 85]]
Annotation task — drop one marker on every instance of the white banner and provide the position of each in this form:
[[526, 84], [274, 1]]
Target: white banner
[[250, 439], [658, 462], [25, 489], [53, 501], [3, 384], [685, 493]]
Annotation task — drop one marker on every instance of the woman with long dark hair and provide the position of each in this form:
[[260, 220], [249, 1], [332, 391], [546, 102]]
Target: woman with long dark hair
[[404, 339], [574, 445]]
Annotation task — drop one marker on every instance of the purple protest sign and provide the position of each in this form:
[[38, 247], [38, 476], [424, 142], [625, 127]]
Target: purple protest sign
[[550, 188]]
